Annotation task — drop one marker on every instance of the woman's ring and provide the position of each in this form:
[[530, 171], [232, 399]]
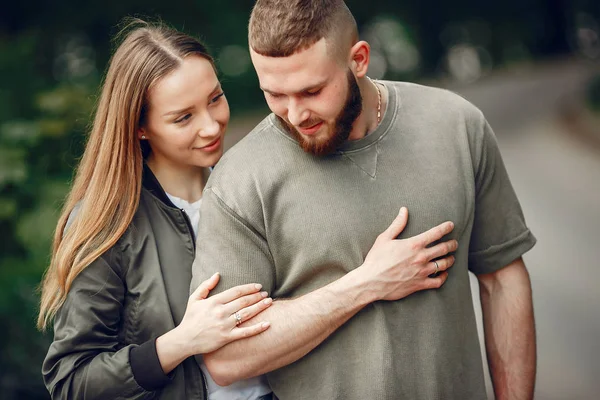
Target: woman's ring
[[238, 318]]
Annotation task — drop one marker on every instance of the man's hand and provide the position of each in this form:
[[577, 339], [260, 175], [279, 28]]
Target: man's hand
[[396, 268]]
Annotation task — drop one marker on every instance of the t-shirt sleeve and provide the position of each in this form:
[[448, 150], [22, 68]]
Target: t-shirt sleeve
[[231, 246], [499, 234]]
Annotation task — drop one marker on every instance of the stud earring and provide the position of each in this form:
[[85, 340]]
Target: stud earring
[[143, 137]]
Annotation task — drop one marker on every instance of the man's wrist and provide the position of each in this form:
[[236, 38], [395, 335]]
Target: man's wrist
[[358, 287]]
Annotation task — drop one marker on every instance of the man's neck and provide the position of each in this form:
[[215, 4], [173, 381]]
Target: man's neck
[[367, 120]]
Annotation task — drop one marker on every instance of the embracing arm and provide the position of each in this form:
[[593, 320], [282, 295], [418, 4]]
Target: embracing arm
[[297, 326], [88, 361], [393, 269], [509, 330]]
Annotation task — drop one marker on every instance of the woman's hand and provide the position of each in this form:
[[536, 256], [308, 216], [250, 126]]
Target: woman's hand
[[211, 323]]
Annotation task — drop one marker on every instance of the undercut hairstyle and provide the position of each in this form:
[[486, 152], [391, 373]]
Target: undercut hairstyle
[[280, 28]]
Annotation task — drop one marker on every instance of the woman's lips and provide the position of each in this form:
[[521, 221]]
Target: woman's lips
[[214, 145]]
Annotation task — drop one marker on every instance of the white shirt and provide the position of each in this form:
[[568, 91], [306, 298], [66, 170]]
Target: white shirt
[[248, 389]]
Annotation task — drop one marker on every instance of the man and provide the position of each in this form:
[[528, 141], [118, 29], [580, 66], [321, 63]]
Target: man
[[299, 201]]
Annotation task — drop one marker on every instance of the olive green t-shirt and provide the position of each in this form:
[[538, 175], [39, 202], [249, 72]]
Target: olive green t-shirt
[[295, 222]]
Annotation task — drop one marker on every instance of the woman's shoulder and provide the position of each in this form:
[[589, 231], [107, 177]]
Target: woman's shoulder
[[116, 255], [152, 220], [149, 214]]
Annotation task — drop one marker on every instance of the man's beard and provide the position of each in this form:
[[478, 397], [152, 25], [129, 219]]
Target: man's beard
[[342, 127]]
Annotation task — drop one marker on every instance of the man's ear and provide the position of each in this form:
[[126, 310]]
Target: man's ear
[[359, 57]]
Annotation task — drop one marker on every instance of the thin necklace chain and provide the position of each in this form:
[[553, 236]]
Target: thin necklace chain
[[378, 100]]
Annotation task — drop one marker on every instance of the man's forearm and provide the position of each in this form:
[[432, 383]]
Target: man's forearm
[[509, 331], [297, 327], [393, 269]]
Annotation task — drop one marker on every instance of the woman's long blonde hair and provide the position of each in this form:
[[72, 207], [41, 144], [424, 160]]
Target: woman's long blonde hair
[[107, 185]]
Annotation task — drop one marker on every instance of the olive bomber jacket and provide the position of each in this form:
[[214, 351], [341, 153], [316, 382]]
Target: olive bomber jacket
[[104, 335]]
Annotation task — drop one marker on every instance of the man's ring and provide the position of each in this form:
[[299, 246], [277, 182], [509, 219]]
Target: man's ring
[[238, 318], [437, 267]]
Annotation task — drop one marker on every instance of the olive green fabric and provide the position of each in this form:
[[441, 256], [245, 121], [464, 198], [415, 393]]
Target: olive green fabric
[[295, 222], [132, 294]]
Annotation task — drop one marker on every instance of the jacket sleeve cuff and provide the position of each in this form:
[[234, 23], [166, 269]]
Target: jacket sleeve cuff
[[146, 367]]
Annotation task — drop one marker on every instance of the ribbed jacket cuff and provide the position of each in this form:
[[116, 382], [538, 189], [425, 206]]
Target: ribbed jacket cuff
[[146, 367]]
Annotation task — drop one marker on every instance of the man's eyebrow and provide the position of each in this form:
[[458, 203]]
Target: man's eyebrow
[[305, 89], [217, 87]]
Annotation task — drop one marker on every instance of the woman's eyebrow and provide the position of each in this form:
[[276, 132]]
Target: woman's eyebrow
[[175, 112]]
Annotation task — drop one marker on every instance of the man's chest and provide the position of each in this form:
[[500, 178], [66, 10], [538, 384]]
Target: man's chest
[[323, 223]]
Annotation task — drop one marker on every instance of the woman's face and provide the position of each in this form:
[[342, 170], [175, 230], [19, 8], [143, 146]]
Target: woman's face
[[187, 116]]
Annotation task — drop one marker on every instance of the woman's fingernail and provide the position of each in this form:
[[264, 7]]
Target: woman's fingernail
[[258, 286], [264, 294], [268, 301], [265, 324]]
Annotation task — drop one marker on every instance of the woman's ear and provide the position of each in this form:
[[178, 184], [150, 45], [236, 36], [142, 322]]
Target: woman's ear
[[142, 134]]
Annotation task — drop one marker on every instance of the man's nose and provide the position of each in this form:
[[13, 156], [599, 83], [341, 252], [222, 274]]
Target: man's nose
[[297, 112]]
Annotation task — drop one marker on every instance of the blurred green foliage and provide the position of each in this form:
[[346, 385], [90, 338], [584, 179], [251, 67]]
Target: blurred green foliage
[[53, 54], [593, 94]]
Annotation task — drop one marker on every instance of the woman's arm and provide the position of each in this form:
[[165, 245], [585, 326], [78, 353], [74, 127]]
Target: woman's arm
[[87, 360], [209, 324]]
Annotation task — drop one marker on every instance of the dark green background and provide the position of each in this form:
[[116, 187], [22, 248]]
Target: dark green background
[[52, 58]]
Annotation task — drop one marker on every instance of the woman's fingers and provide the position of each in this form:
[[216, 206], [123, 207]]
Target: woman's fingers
[[205, 287], [247, 331], [236, 292], [249, 312], [244, 301]]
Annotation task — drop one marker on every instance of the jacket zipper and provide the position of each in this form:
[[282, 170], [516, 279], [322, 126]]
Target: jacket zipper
[[190, 228], [203, 378], [191, 232]]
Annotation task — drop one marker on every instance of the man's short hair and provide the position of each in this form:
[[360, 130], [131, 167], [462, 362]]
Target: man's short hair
[[280, 28]]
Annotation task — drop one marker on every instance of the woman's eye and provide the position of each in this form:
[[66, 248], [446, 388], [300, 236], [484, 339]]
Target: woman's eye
[[217, 97], [183, 119], [313, 93]]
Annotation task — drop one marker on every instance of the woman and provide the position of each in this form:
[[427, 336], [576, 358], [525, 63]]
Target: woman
[[118, 282]]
